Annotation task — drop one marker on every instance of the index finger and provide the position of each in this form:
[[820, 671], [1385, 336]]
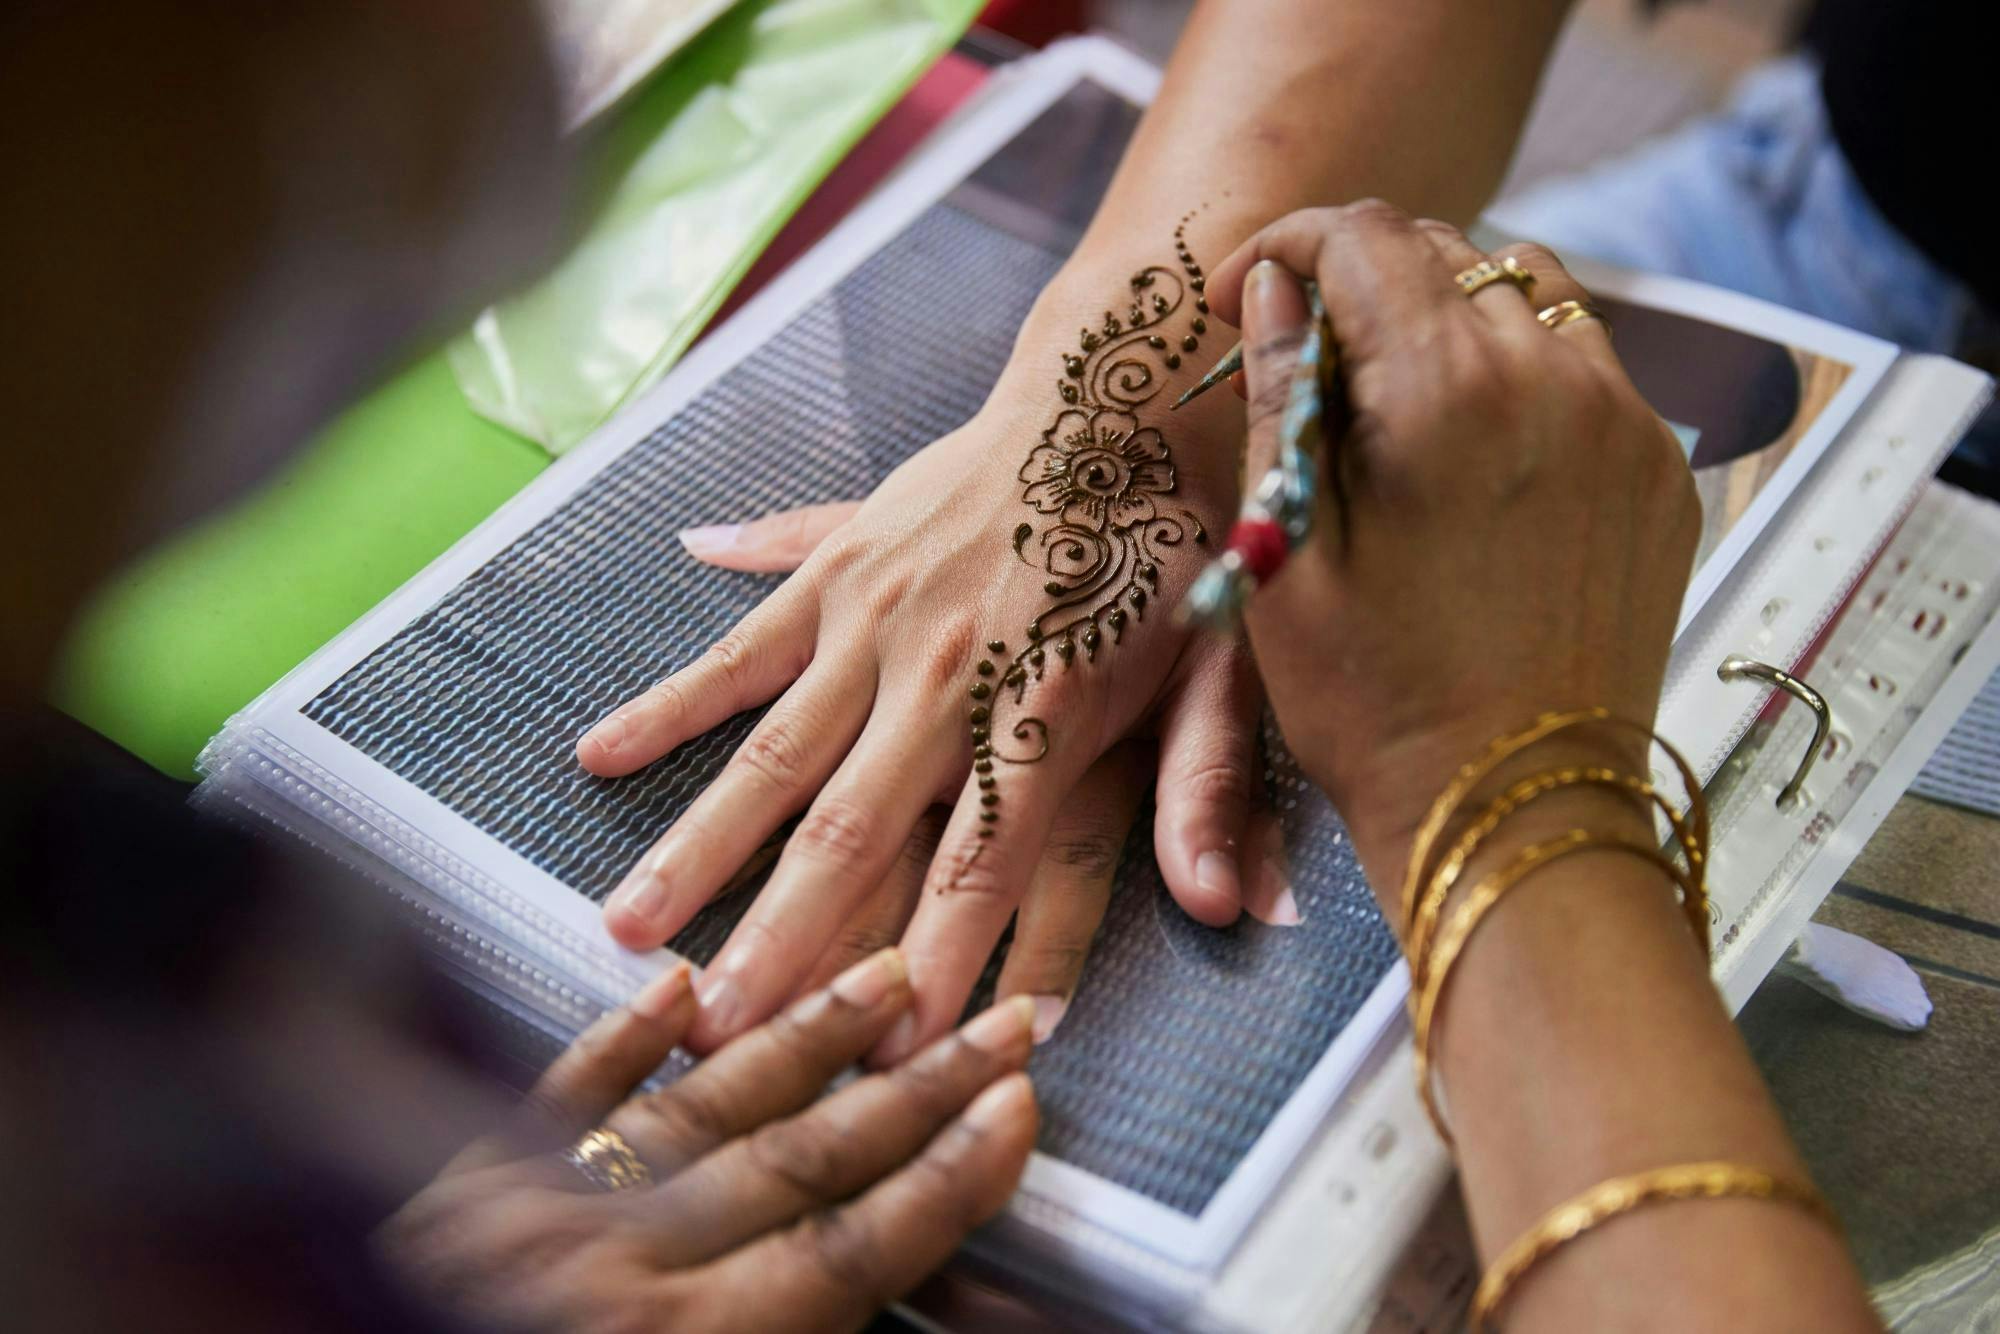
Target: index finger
[[1381, 278]]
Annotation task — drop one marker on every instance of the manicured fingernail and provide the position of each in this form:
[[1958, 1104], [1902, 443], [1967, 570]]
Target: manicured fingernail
[[1277, 909], [1215, 873], [606, 737], [896, 1043], [1268, 897], [1001, 1103], [866, 983], [1049, 1011], [661, 994], [720, 997], [1261, 283], [642, 897], [641, 894], [1002, 1027], [707, 541]]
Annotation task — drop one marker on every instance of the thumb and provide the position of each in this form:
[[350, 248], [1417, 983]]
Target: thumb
[[1275, 319], [775, 543]]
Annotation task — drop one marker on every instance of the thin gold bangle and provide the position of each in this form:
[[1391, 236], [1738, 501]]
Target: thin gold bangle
[[1462, 782], [1480, 901], [1579, 1214], [1527, 790], [1501, 749]]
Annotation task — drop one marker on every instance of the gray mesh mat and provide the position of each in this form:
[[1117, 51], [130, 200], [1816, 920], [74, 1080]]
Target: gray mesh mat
[[1966, 768], [1182, 1042]]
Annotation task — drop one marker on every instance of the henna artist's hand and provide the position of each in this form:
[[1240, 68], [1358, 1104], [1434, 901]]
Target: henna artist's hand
[[768, 1211], [1518, 526], [986, 626]]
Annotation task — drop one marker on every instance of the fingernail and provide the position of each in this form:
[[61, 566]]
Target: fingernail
[[606, 737], [641, 894], [1001, 1103], [1000, 1028], [866, 983], [1049, 1011], [1261, 282], [720, 997], [661, 994], [896, 1043], [711, 539], [1270, 899], [1215, 873], [1281, 909]]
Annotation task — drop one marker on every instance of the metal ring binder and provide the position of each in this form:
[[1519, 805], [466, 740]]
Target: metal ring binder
[[1736, 667]]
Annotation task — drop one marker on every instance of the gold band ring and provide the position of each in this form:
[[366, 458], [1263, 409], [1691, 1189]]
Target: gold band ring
[[1569, 312], [1489, 271], [607, 1161]]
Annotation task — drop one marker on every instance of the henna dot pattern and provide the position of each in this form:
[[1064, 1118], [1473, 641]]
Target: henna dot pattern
[[1098, 482]]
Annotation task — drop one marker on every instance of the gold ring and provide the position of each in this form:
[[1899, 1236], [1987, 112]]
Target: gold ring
[[607, 1161], [1569, 312], [1489, 271]]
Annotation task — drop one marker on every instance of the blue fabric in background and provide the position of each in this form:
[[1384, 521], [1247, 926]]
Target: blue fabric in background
[[1759, 199]]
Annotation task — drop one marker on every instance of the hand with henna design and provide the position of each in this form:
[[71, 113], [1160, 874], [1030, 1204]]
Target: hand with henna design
[[1059, 524]]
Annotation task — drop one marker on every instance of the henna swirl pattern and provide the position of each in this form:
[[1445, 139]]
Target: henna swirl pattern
[[1098, 482]]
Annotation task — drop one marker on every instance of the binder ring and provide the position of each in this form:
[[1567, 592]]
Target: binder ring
[[1736, 667]]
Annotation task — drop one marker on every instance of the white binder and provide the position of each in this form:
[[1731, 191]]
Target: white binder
[[1309, 1226]]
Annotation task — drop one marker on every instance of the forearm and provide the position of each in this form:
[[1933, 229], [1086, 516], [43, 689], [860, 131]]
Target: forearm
[[1583, 1040], [1268, 107]]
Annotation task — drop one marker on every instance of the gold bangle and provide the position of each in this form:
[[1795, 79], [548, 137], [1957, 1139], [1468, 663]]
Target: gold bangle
[[1469, 773], [1431, 906], [1484, 895], [1579, 1214], [1504, 748]]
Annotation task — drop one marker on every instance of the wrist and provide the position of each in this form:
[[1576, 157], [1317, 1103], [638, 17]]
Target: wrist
[[1393, 797]]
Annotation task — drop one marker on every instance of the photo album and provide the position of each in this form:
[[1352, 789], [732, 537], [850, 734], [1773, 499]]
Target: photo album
[[431, 745]]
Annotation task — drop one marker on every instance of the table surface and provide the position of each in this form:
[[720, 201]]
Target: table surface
[[1899, 1128]]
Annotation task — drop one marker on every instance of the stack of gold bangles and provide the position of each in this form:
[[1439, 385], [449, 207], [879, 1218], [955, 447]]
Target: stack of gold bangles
[[1432, 950]]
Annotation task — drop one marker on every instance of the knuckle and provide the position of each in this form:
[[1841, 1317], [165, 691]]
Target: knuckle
[[947, 657], [666, 696], [1371, 213], [798, 1155], [1441, 230], [965, 872], [836, 829], [891, 592], [1217, 784], [1091, 853], [775, 752], [1535, 257], [1060, 964], [730, 657], [838, 1246]]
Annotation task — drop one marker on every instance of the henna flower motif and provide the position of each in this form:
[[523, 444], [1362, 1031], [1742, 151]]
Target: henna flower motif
[[1098, 469]]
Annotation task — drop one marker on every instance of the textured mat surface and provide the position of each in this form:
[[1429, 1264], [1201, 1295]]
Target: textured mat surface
[[1965, 771], [1183, 1042]]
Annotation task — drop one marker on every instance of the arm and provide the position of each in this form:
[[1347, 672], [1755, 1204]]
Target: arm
[[1470, 590], [900, 653]]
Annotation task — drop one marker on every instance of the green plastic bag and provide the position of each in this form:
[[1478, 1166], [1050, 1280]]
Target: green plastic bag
[[703, 166], [700, 172]]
